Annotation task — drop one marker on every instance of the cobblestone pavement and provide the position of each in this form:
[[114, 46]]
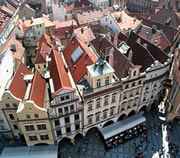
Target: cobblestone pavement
[[95, 148]]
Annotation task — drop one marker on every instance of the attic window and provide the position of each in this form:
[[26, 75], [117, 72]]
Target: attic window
[[76, 54]]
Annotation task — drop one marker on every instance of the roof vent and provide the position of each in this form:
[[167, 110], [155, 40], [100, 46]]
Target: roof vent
[[13, 47]]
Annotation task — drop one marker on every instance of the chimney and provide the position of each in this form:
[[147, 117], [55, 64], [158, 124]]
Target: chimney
[[74, 67], [154, 29], [111, 56], [130, 54], [115, 39], [82, 30]]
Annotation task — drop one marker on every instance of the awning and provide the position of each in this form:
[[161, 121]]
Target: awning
[[118, 127]]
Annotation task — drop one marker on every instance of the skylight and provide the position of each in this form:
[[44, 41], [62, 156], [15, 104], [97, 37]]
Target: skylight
[[76, 54]]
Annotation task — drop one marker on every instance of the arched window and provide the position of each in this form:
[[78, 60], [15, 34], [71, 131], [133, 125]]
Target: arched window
[[134, 73], [107, 81], [98, 83]]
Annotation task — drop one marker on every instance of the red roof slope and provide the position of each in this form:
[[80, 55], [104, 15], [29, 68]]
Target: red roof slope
[[18, 85], [58, 73], [87, 58], [42, 53], [38, 90]]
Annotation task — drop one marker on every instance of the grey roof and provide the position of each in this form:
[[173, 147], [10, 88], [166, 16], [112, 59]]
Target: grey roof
[[101, 67], [122, 126], [45, 151]]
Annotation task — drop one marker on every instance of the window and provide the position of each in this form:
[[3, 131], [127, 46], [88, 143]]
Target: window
[[134, 73], [105, 114], [66, 109], [39, 67], [113, 98], [125, 95], [76, 117], [36, 115], [15, 126], [67, 97], [41, 127], [11, 116], [107, 81], [44, 66], [7, 105], [123, 106], [28, 116], [90, 107], [127, 86], [133, 84], [44, 137], [106, 101], [112, 112], [140, 82], [129, 104], [68, 129], [98, 104], [98, 83], [110, 22], [60, 111], [77, 126], [56, 122], [29, 127], [72, 108], [89, 120], [97, 117], [33, 138], [38, 33], [66, 120], [137, 91], [58, 132], [14, 105], [131, 93], [40, 25], [62, 98], [106, 19]]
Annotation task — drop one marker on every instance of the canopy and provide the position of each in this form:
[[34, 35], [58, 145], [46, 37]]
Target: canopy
[[45, 151], [122, 126]]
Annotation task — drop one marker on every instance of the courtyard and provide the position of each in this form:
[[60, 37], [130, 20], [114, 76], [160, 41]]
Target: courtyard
[[163, 141]]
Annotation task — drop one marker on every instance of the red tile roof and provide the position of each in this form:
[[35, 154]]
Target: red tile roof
[[60, 24], [59, 74], [18, 85], [140, 16], [43, 51], [87, 58], [85, 34], [38, 90], [63, 33], [47, 39], [77, 4]]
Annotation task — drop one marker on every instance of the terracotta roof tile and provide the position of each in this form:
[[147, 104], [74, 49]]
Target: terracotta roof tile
[[38, 90], [85, 34], [63, 33], [18, 85], [87, 58], [139, 16], [59, 74], [60, 24], [121, 63], [46, 39]]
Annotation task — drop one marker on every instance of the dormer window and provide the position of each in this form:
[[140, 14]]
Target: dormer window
[[98, 83], [107, 81]]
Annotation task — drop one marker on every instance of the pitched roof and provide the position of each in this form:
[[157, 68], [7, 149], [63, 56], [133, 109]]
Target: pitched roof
[[139, 16], [141, 56], [38, 89], [85, 34], [59, 74], [170, 32], [78, 69], [42, 53], [154, 36], [166, 17], [60, 24], [121, 63], [63, 32], [46, 39], [155, 51], [77, 4], [18, 85]]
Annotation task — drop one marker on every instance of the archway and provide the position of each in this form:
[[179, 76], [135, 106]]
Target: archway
[[131, 113], [92, 131], [122, 117], [108, 123], [64, 141], [143, 109], [78, 137]]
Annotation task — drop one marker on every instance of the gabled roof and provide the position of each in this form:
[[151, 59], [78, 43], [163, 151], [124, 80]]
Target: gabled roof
[[18, 85], [78, 69], [46, 39], [63, 32], [141, 56], [155, 51], [121, 63], [77, 4], [166, 17], [59, 74], [38, 90], [85, 34], [42, 53]]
